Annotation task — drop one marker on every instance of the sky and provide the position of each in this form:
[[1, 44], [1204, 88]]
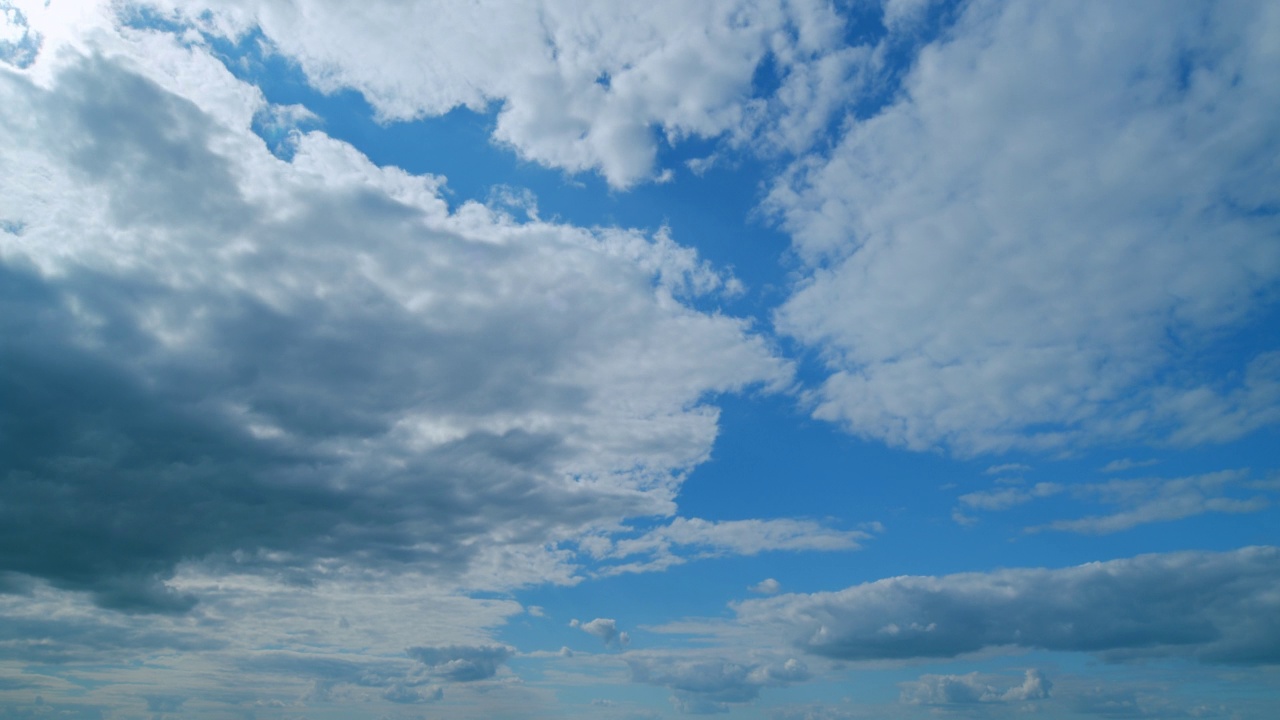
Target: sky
[[775, 359]]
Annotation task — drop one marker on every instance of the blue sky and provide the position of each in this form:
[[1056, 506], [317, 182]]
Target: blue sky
[[777, 359]]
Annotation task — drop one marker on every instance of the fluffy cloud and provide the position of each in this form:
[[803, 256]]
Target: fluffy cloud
[[1031, 245], [1219, 608], [768, 586], [578, 85], [606, 629], [973, 688], [714, 685], [218, 356]]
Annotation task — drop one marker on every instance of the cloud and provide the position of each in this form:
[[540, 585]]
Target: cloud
[[1127, 464], [576, 85], [1034, 243], [1216, 607], [1159, 500], [671, 544], [1006, 498], [714, 685], [973, 688], [768, 586], [459, 663], [1138, 501], [191, 379], [606, 629]]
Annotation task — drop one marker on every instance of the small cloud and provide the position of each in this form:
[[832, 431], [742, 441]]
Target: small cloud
[[604, 628], [536, 611], [1006, 469], [768, 586], [1127, 464]]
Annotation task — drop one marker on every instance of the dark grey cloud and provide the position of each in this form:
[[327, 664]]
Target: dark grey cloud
[[461, 663], [205, 376], [1216, 607]]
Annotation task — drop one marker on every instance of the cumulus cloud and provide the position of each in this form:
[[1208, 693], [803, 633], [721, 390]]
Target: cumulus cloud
[[1216, 607], [974, 688], [576, 85], [1031, 245], [191, 376], [714, 685], [768, 586], [606, 629]]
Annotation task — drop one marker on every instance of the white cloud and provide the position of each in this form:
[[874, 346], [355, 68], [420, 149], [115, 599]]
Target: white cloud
[[1127, 464], [768, 586], [974, 688], [1151, 500], [1216, 607], [606, 629], [1005, 498], [714, 685], [578, 85], [674, 543], [1030, 245], [1134, 502]]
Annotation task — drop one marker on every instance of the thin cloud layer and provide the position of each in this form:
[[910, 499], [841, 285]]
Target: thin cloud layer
[[1216, 607], [1033, 243]]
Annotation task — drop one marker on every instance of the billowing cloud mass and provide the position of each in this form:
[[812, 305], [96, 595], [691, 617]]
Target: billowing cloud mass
[[281, 364], [1216, 607], [292, 427], [1031, 245]]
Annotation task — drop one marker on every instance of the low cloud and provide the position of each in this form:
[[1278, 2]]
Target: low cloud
[[714, 685], [461, 663], [768, 586], [606, 629], [1215, 607], [974, 688]]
